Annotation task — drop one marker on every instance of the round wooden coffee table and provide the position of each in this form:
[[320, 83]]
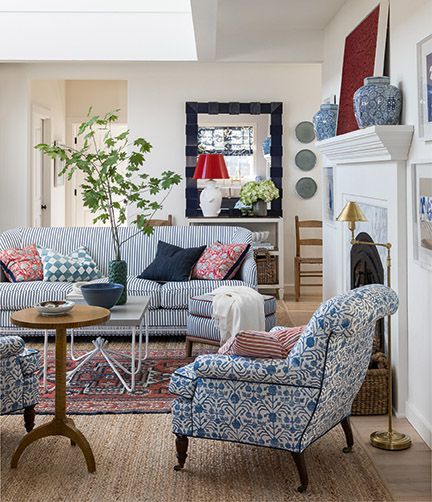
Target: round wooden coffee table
[[60, 425]]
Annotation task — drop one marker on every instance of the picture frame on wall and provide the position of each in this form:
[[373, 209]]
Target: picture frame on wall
[[422, 212], [424, 79], [58, 168], [364, 56], [329, 195]]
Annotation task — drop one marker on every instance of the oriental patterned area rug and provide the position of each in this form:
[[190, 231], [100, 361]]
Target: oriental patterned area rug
[[95, 388]]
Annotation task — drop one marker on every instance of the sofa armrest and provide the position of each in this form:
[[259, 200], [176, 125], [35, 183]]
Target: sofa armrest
[[11, 346], [248, 271]]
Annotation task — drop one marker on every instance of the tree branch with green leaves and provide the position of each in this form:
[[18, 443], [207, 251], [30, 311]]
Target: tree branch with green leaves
[[114, 179]]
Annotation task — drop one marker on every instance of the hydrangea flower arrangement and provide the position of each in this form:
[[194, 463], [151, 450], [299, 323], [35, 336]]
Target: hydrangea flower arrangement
[[253, 191]]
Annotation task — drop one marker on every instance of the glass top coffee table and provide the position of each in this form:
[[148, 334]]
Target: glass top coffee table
[[133, 315]]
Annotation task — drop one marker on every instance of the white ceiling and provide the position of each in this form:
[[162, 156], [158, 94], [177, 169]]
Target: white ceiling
[[165, 30], [273, 30]]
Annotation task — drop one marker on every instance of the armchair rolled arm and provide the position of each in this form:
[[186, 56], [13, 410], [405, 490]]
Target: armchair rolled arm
[[242, 369], [11, 346]]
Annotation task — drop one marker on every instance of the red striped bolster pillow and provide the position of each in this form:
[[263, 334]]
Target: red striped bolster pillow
[[273, 345]]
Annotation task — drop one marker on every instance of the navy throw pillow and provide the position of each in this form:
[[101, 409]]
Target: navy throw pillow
[[172, 263]]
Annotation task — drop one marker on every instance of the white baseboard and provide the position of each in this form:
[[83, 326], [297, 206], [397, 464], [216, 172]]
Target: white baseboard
[[420, 423]]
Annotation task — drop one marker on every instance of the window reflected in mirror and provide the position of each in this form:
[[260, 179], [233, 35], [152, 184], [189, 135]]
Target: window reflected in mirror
[[240, 140]]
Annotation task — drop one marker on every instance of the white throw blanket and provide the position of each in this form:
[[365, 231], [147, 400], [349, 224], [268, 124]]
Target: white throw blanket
[[237, 308]]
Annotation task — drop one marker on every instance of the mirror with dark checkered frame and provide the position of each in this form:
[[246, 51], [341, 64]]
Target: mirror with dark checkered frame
[[248, 135]]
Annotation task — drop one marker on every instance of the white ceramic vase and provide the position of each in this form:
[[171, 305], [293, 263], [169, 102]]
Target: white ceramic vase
[[211, 200]]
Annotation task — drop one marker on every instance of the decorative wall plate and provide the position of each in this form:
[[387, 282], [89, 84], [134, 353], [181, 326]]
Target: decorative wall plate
[[305, 160], [306, 187], [305, 132]]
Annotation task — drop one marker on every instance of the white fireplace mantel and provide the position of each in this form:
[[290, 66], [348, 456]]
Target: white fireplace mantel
[[372, 144], [369, 166]]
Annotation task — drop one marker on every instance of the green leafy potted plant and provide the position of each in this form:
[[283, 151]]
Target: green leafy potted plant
[[257, 194], [113, 181]]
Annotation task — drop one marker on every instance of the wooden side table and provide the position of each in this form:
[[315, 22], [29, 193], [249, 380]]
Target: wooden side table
[[80, 316]]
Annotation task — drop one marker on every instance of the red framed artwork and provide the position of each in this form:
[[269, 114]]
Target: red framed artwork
[[363, 57]]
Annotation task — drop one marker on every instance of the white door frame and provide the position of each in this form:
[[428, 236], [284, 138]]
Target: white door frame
[[38, 114]]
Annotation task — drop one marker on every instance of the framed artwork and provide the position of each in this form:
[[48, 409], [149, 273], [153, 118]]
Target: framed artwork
[[364, 56], [424, 78], [58, 168], [328, 194], [422, 211]]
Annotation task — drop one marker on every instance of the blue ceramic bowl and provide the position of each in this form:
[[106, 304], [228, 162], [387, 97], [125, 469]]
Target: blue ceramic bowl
[[102, 294]]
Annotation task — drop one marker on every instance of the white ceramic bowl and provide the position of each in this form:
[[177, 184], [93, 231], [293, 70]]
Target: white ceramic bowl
[[54, 307]]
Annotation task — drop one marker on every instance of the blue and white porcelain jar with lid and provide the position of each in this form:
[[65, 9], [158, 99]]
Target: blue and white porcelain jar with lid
[[377, 102], [325, 121]]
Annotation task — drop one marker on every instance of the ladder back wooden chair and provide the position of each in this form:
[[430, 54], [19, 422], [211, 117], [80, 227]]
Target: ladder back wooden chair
[[162, 223], [300, 261]]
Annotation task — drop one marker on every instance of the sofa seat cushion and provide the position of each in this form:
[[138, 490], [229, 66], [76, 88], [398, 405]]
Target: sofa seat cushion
[[176, 295], [21, 295], [144, 287]]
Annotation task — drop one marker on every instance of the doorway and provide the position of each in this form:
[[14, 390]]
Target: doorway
[[81, 215], [41, 169]]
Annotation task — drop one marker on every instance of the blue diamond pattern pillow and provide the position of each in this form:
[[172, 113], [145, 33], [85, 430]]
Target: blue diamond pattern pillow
[[77, 266]]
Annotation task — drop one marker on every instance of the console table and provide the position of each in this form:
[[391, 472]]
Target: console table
[[257, 224]]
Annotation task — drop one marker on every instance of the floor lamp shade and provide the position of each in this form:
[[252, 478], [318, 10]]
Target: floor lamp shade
[[211, 166]]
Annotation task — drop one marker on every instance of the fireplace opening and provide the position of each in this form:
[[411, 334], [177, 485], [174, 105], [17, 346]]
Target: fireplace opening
[[367, 268]]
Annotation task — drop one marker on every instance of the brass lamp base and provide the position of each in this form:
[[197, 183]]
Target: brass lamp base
[[390, 440]]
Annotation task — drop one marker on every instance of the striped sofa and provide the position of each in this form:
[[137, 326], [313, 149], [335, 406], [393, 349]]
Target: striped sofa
[[168, 302]]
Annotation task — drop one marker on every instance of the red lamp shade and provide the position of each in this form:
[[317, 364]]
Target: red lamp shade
[[211, 166]]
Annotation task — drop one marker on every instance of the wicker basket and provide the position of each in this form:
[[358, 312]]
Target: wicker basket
[[266, 266], [372, 398]]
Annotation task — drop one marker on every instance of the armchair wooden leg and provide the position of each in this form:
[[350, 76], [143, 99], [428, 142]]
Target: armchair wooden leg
[[346, 426], [182, 443], [301, 467], [29, 418]]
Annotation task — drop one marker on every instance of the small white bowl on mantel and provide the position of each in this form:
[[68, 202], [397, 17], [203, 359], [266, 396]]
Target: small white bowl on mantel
[[54, 307]]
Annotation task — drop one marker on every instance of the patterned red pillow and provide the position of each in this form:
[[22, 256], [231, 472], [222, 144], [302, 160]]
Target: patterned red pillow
[[262, 344], [220, 261], [20, 265]]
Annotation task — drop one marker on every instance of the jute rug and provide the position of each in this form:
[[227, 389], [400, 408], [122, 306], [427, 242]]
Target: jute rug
[[135, 458]]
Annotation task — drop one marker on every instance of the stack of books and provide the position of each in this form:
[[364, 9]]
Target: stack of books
[[261, 245]]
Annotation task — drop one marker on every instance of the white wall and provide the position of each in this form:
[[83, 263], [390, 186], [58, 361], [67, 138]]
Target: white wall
[[50, 94], [410, 22], [14, 134], [102, 96], [156, 102]]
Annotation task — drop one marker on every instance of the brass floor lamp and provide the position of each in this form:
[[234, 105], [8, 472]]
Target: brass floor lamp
[[390, 439]]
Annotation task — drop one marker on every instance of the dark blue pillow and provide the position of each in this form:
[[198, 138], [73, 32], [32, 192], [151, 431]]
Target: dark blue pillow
[[172, 263]]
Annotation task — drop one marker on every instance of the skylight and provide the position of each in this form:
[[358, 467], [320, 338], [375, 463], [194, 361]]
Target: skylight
[[105, 30]]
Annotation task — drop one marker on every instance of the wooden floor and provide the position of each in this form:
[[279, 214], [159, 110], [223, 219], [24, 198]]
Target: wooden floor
[[407, 474]]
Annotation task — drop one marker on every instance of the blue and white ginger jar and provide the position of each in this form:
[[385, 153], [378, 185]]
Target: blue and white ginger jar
[[325, 121], [377, 103]]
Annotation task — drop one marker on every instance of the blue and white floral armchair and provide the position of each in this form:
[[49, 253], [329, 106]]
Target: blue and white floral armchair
[[18, 378], [286, 404]]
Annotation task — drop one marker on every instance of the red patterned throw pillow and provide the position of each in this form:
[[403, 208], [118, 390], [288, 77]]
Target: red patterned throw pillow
[[21, 265], [262, 344], [220, 261]]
